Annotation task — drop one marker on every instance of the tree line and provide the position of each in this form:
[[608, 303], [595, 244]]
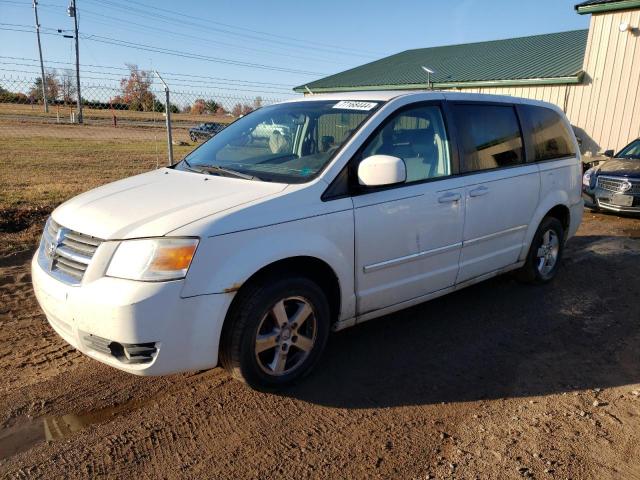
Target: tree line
[[135, 94]]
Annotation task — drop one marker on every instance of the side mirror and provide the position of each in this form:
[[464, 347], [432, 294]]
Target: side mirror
[[381, 170], [609, 153]]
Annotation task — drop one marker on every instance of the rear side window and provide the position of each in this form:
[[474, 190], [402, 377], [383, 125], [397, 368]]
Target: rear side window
[[489, 135], [549, 136]]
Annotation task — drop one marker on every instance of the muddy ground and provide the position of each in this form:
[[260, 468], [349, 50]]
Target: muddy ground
[[499, 380]]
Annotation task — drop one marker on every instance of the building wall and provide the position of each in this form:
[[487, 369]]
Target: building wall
[[605, 108]]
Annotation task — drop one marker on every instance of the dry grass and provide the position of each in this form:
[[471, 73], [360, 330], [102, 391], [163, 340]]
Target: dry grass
[[155, 133], [89, 113], [42, 166]]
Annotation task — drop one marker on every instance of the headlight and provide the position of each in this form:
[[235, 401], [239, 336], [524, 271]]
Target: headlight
[[586, 178], [153, 259]]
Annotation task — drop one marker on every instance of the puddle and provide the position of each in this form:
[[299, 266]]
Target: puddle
[[23, 436]]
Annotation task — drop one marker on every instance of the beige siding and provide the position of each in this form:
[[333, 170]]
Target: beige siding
[[548, 93], [606, 107], [609, 109]]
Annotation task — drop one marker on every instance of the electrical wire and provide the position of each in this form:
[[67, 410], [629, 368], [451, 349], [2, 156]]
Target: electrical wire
[[166, 51], [170, 74]]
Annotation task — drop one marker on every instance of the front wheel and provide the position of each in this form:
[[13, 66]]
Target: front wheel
[[276, 332], [545, 253]]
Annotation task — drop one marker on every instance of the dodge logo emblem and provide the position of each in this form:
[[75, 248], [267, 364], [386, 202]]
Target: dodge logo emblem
[[55, 243]]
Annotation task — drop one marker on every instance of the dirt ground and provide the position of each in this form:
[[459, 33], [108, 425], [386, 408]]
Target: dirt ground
[[499, 380]]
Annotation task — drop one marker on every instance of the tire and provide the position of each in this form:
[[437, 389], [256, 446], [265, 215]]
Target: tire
[[545, 253], [264, 343]]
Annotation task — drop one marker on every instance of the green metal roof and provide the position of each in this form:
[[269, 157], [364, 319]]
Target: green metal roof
[[596, 6], [539, 59]]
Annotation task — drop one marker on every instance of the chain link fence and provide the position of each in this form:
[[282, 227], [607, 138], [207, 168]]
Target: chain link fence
[[131, 116], [47, 157]]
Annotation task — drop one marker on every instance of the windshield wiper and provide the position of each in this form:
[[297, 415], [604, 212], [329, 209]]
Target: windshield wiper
[[226, 171]]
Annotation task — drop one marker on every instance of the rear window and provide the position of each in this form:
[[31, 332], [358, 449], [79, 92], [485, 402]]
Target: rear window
[[549, 135], [490, 136]]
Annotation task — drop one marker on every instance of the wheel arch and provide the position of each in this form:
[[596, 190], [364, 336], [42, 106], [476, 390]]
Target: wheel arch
[[555, 205], [563, 214], [310, 267]]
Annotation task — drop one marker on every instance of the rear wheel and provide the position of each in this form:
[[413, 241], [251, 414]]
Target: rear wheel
[[545, 253], [276, 332]]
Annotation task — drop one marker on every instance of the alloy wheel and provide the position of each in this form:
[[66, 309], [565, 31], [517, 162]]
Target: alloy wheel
[[286, 335], [548, 251]]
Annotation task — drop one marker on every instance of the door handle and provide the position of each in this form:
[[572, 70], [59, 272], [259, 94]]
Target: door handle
[[478, 192], [449, 197]]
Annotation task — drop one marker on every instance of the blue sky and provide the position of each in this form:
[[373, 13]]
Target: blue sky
[[280, 44]]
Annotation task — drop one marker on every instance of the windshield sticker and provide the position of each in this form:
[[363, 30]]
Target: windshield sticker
[[354, 105]]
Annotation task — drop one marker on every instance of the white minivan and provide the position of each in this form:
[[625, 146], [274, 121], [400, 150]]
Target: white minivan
[[249, 251]]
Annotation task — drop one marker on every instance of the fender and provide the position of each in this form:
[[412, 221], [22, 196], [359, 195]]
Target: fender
[[223, 263]]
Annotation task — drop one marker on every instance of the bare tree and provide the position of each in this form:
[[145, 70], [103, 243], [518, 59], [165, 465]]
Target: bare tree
[[68, 86]]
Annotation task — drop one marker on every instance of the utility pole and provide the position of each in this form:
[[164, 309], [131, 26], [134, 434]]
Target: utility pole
[[44, 81], [73, 12], [168, 119]]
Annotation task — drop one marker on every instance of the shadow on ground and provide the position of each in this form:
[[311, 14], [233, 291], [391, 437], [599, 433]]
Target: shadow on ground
[[496, 339]]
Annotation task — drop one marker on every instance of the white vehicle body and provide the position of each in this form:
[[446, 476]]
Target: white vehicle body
[[388, 249]]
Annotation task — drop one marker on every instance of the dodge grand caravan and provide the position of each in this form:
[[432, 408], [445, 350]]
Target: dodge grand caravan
[[249, 251]]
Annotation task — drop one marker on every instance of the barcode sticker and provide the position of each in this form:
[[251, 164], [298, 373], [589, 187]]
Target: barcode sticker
[[355, 105]]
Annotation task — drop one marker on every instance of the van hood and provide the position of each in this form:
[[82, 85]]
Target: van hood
[[155, 203]]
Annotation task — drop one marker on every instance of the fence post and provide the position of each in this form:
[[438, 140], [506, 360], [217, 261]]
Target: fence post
[[168, 118]]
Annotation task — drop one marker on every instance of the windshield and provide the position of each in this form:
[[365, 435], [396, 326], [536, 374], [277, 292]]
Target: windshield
[[630, 151], [289, 142]]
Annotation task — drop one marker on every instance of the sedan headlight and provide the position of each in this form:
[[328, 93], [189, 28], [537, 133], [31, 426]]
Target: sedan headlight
[[586, 178], [153, 259]]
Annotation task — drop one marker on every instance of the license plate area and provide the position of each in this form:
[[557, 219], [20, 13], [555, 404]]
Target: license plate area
[[622, 200]]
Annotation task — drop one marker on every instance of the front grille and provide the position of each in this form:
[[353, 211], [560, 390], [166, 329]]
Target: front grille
[[619, 185], [66, 254]]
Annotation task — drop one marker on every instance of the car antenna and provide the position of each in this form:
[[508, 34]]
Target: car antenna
[[308, 90]]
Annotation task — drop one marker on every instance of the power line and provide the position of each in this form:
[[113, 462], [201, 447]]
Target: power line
[[177, 53], [175, 74], [334, 49], [174, 82], [173, 12], [161, 30], [195, 56], [165, 32], [171, 19]]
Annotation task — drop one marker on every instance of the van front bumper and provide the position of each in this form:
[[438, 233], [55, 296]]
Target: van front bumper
[[144, 328]]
